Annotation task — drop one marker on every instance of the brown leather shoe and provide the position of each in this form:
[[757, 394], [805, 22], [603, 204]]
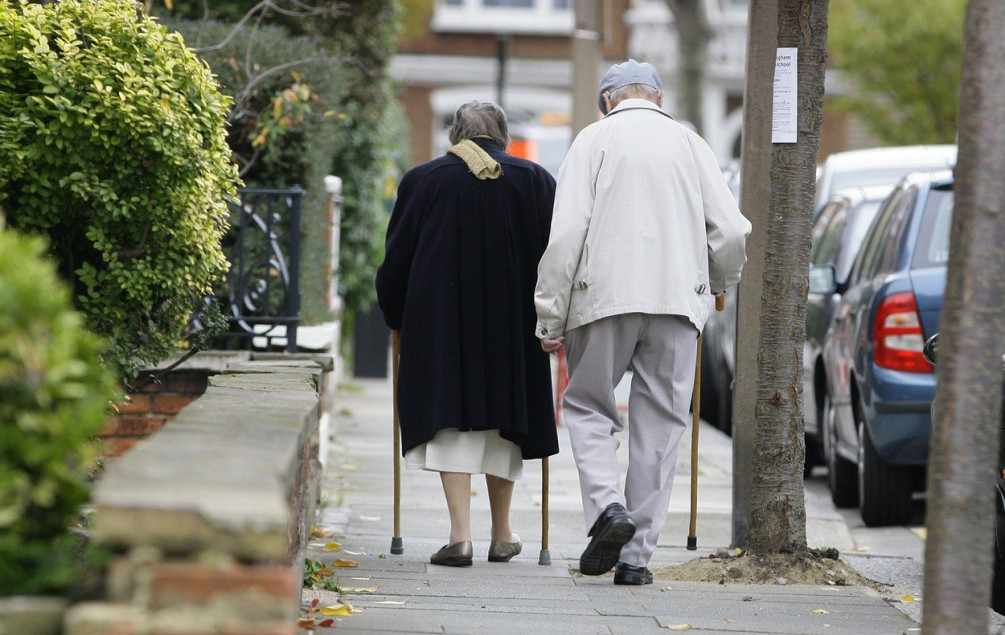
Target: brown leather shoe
[[504, 551], [456, 555]]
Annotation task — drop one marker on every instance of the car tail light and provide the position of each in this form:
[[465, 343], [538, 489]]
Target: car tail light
[[897, 335]]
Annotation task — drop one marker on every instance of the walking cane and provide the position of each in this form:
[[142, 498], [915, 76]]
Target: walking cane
[[545, 557], [692, 536], [397, 546]]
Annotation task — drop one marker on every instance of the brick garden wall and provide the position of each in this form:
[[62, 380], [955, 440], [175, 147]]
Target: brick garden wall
[[211, 513], [146, 412]]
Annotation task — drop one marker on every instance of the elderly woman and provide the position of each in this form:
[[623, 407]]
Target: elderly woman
[[474, 387]]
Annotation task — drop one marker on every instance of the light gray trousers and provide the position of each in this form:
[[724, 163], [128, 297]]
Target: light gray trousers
[[661, 351]]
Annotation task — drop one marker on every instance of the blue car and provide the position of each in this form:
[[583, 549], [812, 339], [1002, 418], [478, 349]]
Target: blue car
[[877, 422], [838, 234]]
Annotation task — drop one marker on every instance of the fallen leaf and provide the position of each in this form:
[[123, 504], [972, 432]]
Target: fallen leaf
[[354, 553], [732, 620], [326, 623], [342, 609], [737, 551], [907, 599], [345, 562], [360, 579], [748, 598], [317, 532], [305, 622], [372, 589], [822, 611], [369, 517], [315, 602], [325, 572], [333, 546], [679, 627]]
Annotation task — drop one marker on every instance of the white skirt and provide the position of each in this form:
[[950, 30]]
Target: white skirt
[[472, 452]]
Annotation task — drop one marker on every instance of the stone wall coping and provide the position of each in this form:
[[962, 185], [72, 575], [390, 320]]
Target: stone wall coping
[[220, 475]]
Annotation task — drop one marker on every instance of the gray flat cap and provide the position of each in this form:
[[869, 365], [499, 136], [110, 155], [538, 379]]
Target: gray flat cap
[[630, 72]]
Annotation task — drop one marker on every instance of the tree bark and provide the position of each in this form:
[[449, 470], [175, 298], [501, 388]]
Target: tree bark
[[778, 510], [755, 197], [964, 451], [693, 34]]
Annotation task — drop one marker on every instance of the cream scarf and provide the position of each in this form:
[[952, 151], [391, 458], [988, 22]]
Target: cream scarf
[[481, 164]]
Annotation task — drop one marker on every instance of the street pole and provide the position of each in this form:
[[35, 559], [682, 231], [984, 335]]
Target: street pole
[[587, 58], [755, 194], [502, 56]]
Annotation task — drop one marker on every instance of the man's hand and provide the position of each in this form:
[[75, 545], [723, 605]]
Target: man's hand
[[552, 346]]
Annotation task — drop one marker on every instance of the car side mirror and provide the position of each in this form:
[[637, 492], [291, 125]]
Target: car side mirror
[[930, 349], [823, 279]]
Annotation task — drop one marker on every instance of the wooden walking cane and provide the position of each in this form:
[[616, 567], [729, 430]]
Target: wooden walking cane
[[545, 557], [397, 546], [692, 536]]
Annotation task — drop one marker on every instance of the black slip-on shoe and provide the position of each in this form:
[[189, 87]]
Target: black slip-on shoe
[[612, 531], [625, 573], [458, 554]]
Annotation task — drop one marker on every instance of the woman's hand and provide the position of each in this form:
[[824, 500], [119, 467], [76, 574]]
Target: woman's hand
[[552, 345]]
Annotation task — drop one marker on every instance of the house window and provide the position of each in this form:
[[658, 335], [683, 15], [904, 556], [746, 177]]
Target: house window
[[539, 17]]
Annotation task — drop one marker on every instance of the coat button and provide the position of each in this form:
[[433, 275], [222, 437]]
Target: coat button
[[700, 289], [583, 284]]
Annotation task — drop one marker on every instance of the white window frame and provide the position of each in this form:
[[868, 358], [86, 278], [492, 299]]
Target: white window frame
[[472, 16]]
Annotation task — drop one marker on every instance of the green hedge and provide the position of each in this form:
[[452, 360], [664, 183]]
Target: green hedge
[[54, 396], [112, 143]]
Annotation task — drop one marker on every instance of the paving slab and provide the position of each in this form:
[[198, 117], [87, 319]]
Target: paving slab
[[409, 595]]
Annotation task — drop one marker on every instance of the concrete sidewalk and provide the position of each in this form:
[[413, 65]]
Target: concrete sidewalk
[[405, 594]]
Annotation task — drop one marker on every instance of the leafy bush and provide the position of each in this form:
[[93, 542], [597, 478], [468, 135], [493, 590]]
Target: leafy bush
[[54, 395], [112, 142]]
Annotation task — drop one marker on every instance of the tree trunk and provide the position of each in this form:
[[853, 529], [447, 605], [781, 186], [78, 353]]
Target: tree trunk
[[693, 34], [964, 450], [755, 197], [778, 509]]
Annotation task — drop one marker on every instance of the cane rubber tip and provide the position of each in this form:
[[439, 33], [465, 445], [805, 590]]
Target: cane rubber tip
[[692, 543], [397, 546], [545, 558]]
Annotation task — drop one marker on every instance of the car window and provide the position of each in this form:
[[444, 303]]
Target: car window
[[894, 234], [826, 244], [933, 240], [820, 226], [854, 234], [867, 262]]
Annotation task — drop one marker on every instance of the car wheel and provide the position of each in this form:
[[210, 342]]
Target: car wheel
[[842, 477], [709, 400], [725, 407], [884, 490]]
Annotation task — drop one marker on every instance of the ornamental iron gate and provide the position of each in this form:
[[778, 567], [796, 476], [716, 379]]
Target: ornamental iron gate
[[262, 295]]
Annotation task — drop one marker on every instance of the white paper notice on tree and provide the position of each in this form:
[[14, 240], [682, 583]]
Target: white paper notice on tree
[[785, 102]]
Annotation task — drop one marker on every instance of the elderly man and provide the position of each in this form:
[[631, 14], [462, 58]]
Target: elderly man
[[644, 232]]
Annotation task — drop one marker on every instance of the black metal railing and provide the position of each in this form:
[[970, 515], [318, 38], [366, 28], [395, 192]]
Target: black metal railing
[[261, 300]]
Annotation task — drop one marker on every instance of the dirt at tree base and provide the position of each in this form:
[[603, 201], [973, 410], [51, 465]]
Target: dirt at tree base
[[813, 566]]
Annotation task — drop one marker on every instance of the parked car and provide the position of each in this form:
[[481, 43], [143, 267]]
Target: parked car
[[879, 386], [878, 166], [998, 580], [837, 236], [863, 168]]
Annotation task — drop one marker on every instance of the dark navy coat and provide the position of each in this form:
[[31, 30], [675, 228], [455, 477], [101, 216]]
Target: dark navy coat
[[458, 282]]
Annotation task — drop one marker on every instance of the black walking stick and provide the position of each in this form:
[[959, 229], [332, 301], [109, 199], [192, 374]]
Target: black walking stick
[[692, 536], [397, 546]]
